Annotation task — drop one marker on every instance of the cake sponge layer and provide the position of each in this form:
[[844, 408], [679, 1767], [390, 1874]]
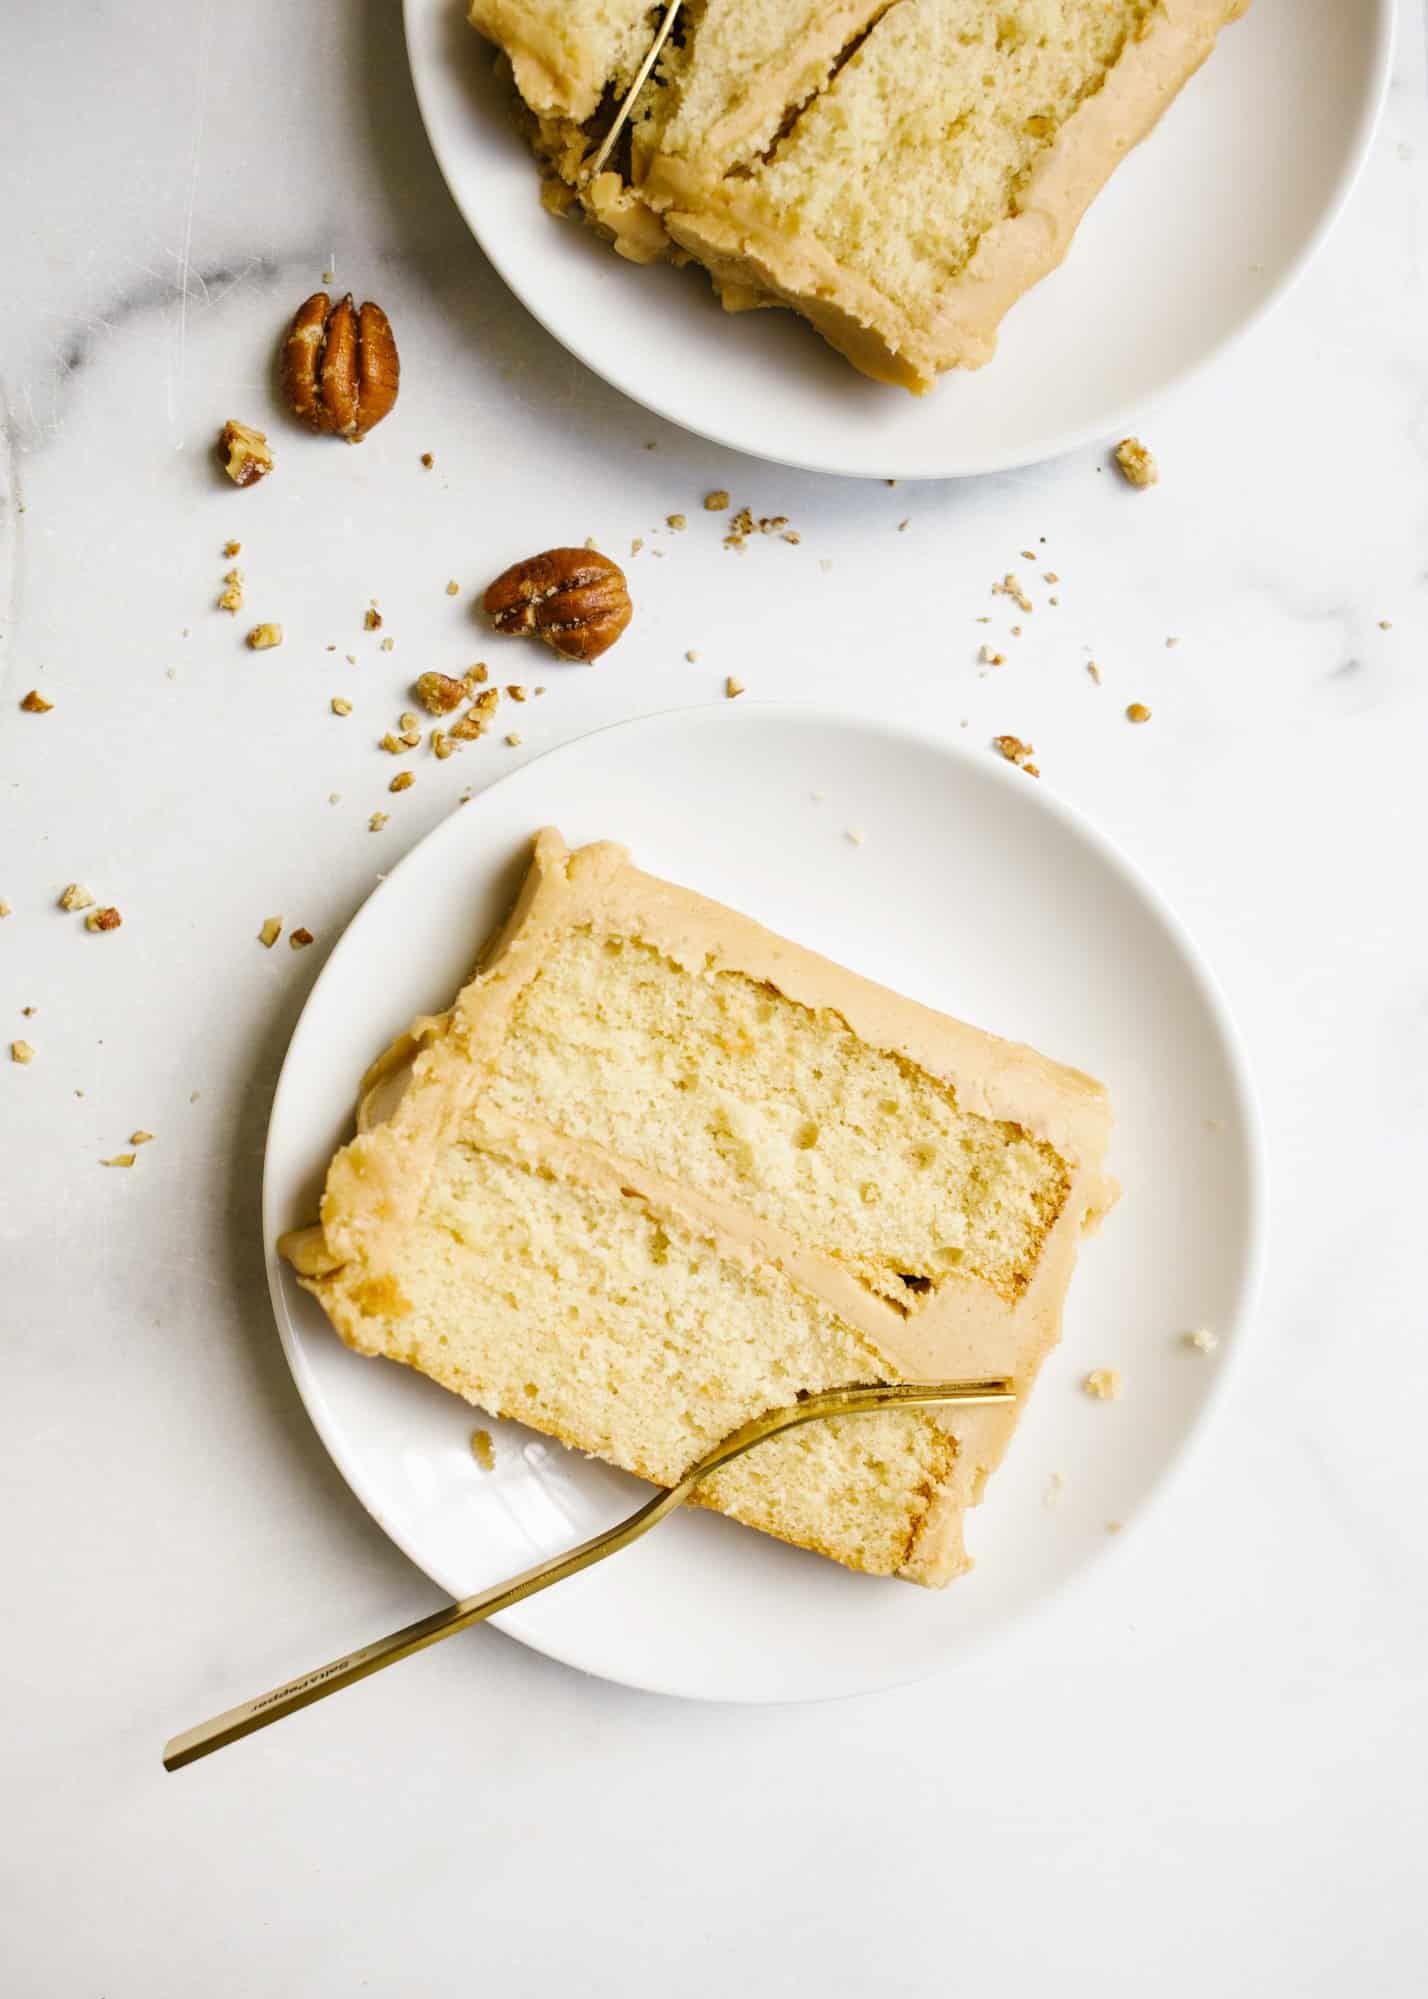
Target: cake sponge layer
[[727, 1084], [577, 1308]]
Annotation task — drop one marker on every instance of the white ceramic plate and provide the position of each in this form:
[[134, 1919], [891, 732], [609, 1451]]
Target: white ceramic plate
[[972, 890], [1197, 233]]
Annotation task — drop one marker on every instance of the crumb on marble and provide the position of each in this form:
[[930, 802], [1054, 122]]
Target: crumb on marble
[[271, 931], [403, 781], [716, 502], [371, 619], [483, 1450], [1136, 465], [34, 703], [677, 522], [453, 588], [1137, 712], [341, 705], [1010, 586], [733, 687], [107, 918], [137, 1138], [515, 739], [1094, 671], [427, 460], [300, 938], [377, 821], [1103, 1384], [21, 1051], [119, 1159], [1201, 1340], [263, 638], [76, 897], [231, 597]]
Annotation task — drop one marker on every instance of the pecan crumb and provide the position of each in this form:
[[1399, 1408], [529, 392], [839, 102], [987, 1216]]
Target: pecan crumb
[[1010, 586], [1137, 712], [1136, 464], [232, 548], [427, 460], [107, 918], [442, 745], [371, 619], [516, 692], [439, 693], [300, 938], [271, 931], [403, 781], [246, 457], [34, 703], [1013, 748]]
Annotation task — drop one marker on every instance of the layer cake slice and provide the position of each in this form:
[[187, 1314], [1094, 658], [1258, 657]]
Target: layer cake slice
[[658, 1170]]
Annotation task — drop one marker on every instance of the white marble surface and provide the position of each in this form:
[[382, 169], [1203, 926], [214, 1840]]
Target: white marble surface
[[1205, 1773]]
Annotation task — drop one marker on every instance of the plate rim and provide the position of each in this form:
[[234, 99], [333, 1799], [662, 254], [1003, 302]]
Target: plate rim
[[515, 1623], [1384, 32]]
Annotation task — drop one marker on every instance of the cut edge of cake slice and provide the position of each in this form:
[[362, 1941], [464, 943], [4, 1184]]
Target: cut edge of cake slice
[[438, 1089]]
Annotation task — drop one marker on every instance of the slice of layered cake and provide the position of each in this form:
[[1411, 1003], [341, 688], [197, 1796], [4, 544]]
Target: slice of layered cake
[[945, 168], [898, 171], [657, 1171]]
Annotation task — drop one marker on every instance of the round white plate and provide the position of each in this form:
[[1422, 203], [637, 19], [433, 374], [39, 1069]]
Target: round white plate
[[972, 890], [1197, 233]]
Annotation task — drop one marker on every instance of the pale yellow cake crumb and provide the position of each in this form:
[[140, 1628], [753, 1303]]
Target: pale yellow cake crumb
[[271, 931], [1202, 1340], [483, 1450], [21, 1051], [76, 897], [1103, 1384]]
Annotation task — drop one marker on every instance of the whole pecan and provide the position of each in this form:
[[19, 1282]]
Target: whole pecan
[[575, 599], [340, 366]]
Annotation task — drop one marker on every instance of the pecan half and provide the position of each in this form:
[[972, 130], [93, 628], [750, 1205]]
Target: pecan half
[[575, 599], [340, 366]]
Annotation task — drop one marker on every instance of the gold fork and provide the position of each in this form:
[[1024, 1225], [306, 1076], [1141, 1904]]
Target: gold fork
[[207, 1736]]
